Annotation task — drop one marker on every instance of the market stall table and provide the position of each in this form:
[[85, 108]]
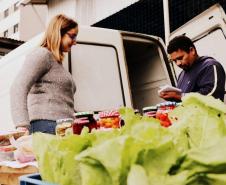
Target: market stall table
[[10, 171]]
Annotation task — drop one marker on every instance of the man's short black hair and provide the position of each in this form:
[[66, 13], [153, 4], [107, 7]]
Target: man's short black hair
[[180, 42]]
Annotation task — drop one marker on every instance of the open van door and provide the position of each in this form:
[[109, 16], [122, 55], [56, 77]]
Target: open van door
[[148, 68], [208, 31]]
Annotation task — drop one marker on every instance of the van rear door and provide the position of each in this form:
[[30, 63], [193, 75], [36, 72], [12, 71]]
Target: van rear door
[[148, 68]]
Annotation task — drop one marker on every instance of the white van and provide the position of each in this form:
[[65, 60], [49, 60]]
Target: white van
[[111, 69]]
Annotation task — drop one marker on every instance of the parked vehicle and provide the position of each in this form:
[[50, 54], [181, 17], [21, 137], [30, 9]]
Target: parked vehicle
[[111, 69]]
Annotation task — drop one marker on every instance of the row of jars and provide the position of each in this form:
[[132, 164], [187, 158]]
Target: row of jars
[[106, 119], [111, 119], [160, 111]]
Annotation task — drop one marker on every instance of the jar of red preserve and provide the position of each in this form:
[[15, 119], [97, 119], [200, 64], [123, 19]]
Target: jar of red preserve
[[84, 119], [162, 112]]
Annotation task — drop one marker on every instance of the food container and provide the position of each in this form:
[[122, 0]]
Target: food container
[[150, 111], [7, 153], [64, 126], [84, 119], [6, 135], [162, 112], [109, 119]]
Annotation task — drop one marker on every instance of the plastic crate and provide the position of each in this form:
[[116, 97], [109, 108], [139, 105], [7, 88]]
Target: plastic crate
[[33, 179]]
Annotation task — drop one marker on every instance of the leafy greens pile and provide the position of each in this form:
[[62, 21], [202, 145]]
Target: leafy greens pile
[[190, 152]]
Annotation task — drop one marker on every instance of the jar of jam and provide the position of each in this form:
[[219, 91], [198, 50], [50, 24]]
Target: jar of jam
[[109, 119], [63, 126], [150, 111], [162, 112], [83, 119]]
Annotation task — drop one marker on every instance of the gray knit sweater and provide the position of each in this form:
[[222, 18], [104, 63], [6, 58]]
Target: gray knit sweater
[[43, 89]]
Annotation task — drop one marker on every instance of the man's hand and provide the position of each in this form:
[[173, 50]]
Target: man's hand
[[171, 95]]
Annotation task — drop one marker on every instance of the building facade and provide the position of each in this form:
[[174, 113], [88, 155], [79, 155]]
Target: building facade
[[9, 18], [20, 20], [87, 12], [23, 19]]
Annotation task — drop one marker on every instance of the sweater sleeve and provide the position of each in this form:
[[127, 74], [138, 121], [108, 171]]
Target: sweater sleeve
[[35, 66]]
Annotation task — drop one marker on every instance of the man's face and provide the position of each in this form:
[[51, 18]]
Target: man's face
[[183, 59]]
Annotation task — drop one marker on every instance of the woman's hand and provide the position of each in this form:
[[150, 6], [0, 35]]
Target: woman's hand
[[23, 129]]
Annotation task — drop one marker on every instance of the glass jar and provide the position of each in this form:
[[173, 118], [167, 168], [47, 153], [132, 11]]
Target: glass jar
[[150, 111], [83, 119], [162, 112], [109, 119], [64, 125], [136, 111]]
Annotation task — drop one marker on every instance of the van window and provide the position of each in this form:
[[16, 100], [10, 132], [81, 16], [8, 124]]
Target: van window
[[96, 73]]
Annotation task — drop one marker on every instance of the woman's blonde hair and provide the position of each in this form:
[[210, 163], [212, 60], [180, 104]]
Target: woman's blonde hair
[[58, 26]]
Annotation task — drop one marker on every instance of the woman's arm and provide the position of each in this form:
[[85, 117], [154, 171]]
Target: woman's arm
[[35, 66]]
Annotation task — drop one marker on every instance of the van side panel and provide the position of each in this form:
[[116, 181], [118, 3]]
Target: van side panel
[[95, 69]]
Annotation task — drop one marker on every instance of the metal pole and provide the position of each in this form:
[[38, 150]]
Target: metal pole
[[166, 20]]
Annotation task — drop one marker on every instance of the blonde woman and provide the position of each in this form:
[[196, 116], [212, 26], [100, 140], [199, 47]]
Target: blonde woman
[[44, 91]]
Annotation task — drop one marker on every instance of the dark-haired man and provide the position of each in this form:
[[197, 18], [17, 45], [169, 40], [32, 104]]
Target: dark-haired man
[[203, 74]]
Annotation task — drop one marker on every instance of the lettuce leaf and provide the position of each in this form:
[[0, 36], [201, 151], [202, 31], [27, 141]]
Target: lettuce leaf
[[55, 157]]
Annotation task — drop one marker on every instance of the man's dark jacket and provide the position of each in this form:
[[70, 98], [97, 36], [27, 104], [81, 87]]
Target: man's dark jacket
[[206, 76]]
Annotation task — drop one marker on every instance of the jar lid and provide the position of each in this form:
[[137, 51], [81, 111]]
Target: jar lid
[[167, 103], [150, 108], [111, 113], [81, 121], [136, 111], [59, 121], [86, 113]]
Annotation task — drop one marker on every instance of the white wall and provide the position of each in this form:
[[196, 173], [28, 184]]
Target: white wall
[[9, 21], [87, 12], [66, 7], [32, 20], [4, 4]]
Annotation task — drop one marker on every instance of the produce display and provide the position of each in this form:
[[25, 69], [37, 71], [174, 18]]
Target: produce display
[[7, 150], [7, 153], [189, 152]]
